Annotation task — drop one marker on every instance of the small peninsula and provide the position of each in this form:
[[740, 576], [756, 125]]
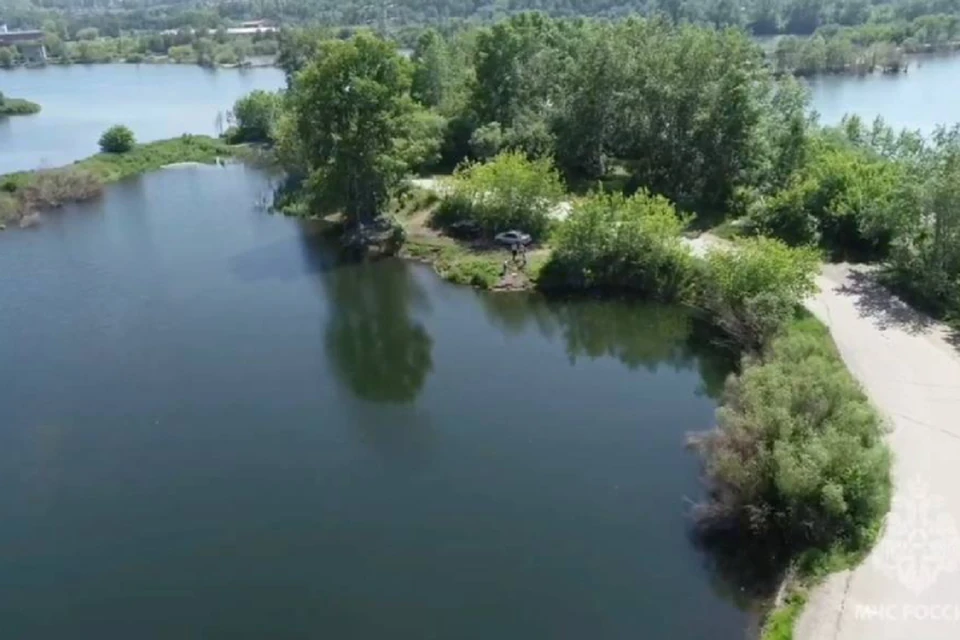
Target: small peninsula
[[17, 106]]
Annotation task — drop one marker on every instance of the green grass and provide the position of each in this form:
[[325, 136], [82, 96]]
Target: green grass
[[111, 167], [18, 107], [457, 263], [26, 191], [779, 624]]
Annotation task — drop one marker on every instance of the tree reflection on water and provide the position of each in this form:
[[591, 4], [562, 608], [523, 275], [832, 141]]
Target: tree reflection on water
[[638, 334], [378, 349]]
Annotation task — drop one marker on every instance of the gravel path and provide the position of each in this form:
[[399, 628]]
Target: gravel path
[[909, 366]]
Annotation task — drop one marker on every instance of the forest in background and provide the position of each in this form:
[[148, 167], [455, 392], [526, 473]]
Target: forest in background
[[803, 37], [759, 17]]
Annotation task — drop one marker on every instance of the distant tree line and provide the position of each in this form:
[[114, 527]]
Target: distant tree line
[[760, 17], [183, 46]]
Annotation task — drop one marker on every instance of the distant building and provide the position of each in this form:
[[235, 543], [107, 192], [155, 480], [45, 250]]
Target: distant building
[[28, 42], [257, 24], [249, 31]]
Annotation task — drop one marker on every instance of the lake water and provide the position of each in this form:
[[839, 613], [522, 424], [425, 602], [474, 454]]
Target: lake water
[[922, 98], [212, 428], [81, 101]]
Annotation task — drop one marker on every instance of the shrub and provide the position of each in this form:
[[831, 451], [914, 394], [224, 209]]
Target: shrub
[[845, 199], [117, 139], [509, 192], [613, 242], [481, 272], [255, 116], [420, 149], [56, 187], [9, 208], [797, 457], [89, 33], [486, 141], [753, 289]]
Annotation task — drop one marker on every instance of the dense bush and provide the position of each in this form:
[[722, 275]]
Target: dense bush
[[55, 187], [797, 457], [509, 192], [844, 198], [254, 116], [617, 243], [925, 259], [24, 193], [753, 289], [117, 139]]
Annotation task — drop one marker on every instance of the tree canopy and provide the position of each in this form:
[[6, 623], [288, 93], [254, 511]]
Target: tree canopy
[[350, 108]]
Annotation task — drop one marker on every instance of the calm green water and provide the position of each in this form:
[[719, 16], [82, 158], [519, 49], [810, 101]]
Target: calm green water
[[81, 101], [210, 428]]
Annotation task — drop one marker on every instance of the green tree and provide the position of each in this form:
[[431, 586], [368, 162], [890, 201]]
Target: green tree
[[350, 112], [754, 289], [587, 116], [508, 192], [690, 111], [6, 57], [89, 33], [117, 139], [926, 249], [512, 68], [843, 198], [431, 75], [255, 116], [181, 53], [622, 244], [298, 47]]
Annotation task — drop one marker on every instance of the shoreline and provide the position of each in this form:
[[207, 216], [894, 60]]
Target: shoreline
[[151, 62], [24, 194]]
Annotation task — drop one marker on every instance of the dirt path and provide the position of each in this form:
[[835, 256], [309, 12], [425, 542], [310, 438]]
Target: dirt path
[[909, 586]]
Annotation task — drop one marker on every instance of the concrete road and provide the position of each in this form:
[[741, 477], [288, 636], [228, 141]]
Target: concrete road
[[909, 366]]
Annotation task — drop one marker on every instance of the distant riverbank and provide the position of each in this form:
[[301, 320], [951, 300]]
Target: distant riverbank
[[247, 64]]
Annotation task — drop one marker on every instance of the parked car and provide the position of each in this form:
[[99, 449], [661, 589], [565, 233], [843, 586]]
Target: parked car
[[513, 237]]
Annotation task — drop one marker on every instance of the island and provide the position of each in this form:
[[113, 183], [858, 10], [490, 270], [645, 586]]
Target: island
[[17, 106]]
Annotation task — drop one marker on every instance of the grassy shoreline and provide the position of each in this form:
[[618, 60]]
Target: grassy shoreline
[[25, 193]]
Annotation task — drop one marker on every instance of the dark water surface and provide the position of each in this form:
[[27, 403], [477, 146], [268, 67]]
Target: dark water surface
[[81, 101], [210, 428]]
